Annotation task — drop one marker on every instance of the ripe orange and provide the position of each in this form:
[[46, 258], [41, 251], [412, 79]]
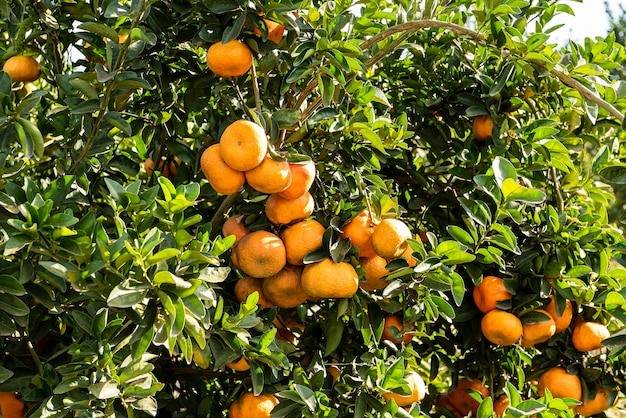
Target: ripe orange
[[221, 177], [538, 332], [359, 230], [301, 238], [243, 145], [327, 279], [12, 405], [22, 68], [443, 406], [561, 384], [488, 292], [416, 385], [250, 406], [288, 329], [302, 177], [596, 405], [284, 289], [231, 59], [461, 399], [239, 365], [375, 269], [390, 238], [588, 336], [563, 321], [235, 226], [501, 327], [282, 211], [260, 254], [248, 285], [394, 321], [482, 128], [275, 31], [408, 255], [167, 166], [270, 176], [500, 405]]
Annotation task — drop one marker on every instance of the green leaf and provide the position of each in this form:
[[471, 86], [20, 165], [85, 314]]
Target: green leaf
[[460, 235], [503, 169], [105, 390], [30, 136], [614, 174], [125, 296], [162, 255], [115, 119], [13, 305], [334, 331], [10, 285], [394, 375], [5, 374], [100, 29], [307, 395]]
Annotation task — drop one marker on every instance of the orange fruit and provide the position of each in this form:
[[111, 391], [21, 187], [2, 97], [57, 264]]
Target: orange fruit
[[443, 406], [12, 405], [588, 335], [288, 329], [235, 226], [221, 177], [250, 406], [375, 269], [501, 327], [270, 176], [239, 365], [302, 177], [260, 254], [284, 289], [390, 238], [482, 128], [461, 399], [416, 385], [538, 332], [561, 384], [596, 405], [500, 405], [408, 256], [275, 31], [22, 68], [394, 321], [243, 145], [301, 238], [248, 285], [488, 292], [282, 211], [327, 279], [359, 230], [231, 59], [167, 166], [563, 321]]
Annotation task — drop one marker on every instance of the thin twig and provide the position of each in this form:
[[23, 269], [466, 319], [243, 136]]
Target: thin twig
[[557, 190], [255, 88], [218, 217]]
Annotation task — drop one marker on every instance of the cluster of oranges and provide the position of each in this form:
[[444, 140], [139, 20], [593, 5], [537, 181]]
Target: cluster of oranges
[[504, 328]]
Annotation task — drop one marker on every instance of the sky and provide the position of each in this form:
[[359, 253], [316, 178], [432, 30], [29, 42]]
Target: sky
[[590, 20]]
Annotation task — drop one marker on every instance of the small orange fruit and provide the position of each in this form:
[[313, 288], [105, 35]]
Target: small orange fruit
[[359, 230], [250, 406], [220, 175], [288, 329], [390, 238], [588, 335], [284, 289], [460, 398], [260, 254], [408, 256], [490, 291], [500, 405], [248, 285], [239, 365], [443, 406], [235, 226], [563, 321], [270, 176], [302, 177], [275, 31], [560, 383], [243, 145], [231, 59], [538, 332], [167, 166], [482, 128], [22, 68], [599, 403], [416, 385], [282, 211], [394, 321], [301, 238], [501, 327], [327, 279], [12, 405], [375, 269]]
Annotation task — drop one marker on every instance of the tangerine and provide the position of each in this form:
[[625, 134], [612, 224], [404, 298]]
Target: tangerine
[[301, 238], [248, 285], [260, 254], [394, 321], [167, 166], [236, 226], [270, 176], [563, 321], [501, 327], [239, 365], [12, 405], [537, 332], [281, 211], [390, 238], [220, 175], [561, 384], [275, 31], [500, 405], [490, 291], [302, 177], [22, 68], [375, 269], [600, 403], [588, 335], [251, 406], [243, 145], [284, 289], [230, 59], [327, 279], [416, 386], [482, 128], [460, 398], [359, 230]]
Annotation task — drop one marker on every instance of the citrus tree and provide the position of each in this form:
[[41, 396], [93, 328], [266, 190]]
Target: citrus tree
[[317, 208]]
